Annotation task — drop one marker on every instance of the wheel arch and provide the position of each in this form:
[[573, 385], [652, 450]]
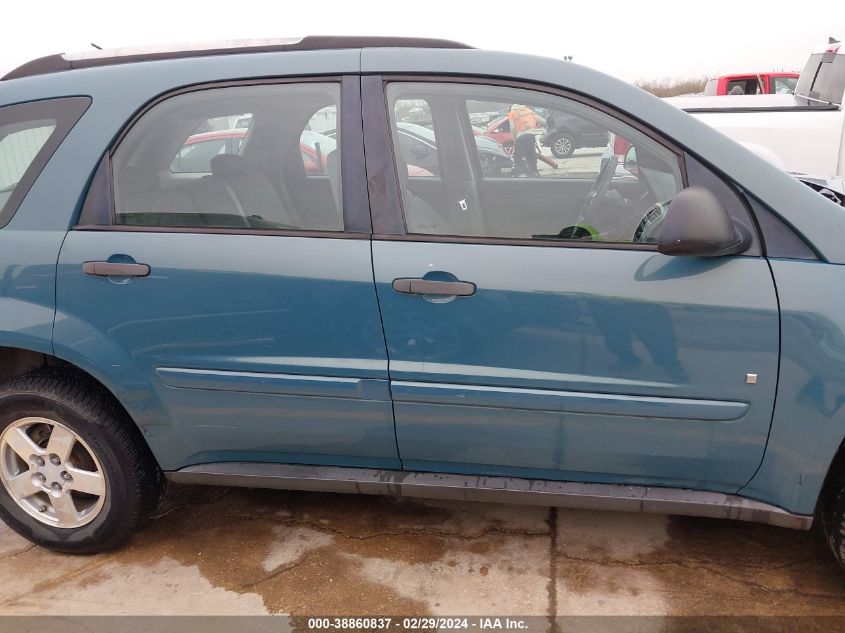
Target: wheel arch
[[17, 361], [130, 476], [835, 472], [568, 132]]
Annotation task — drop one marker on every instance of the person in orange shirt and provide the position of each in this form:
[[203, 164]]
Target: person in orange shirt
[[523, 120]]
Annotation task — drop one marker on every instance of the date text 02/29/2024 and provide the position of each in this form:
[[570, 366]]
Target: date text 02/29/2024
[[416, 623]]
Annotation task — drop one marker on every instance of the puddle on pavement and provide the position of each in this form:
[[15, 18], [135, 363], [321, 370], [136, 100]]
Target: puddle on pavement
[[254, 551], [232, 551]]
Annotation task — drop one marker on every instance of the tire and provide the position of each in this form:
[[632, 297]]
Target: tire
[[63, 411], [562, 145], [831, 514]]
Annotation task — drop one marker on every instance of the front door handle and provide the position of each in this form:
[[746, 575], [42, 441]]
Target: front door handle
[[432, 287], [115, 269]]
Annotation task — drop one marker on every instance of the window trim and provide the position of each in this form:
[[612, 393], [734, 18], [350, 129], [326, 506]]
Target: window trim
[[128, 228], [66, 112], [385, 193], [757, 248], [510, 241], [386, 207], [356, 214]]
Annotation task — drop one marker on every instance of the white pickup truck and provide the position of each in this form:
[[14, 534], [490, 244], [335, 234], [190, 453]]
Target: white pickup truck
[[802, 133]]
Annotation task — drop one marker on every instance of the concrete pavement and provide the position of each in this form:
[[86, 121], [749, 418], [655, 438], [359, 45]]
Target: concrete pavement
[[237, 551]]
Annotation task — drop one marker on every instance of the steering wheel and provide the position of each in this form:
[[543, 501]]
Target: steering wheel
[[577, 231], [647, 229], [600, 186]]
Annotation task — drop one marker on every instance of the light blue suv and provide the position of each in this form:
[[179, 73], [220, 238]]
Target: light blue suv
[[222, 266]]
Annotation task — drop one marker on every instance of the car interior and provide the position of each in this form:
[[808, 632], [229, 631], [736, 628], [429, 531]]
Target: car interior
[[258, 183], [19, 145], [590, 189], [247, 157]]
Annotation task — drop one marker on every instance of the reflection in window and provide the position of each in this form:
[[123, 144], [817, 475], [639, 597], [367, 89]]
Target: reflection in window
[[245, 157], [519, 164], [18, 148]]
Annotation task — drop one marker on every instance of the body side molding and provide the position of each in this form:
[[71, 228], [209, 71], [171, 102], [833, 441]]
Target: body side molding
[[495, 489], [275, 383], [568, 401]]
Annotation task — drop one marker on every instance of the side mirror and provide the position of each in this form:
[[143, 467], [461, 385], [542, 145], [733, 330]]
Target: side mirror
[[697, 224]]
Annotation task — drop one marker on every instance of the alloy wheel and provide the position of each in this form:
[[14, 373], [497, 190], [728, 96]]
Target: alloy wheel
[[562, 146], [51, 473]]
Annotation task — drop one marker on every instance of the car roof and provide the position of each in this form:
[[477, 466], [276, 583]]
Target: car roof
[[109, 57]]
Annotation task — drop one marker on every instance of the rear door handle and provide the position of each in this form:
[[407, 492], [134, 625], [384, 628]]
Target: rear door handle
[[115, 269], [431, 287]]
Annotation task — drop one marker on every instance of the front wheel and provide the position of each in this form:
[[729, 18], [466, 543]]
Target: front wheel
[[562, 145], [831, 513], [76, 475]]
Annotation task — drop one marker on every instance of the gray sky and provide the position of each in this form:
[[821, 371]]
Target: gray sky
[[645, 39]]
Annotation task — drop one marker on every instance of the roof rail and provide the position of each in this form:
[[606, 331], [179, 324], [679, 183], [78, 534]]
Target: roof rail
[[63, 61]]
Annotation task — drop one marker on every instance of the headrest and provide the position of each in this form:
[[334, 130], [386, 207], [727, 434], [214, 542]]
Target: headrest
[[333, 160], [134, 179], [227, 165]]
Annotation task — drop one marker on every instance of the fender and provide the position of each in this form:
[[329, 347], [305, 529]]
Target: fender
[[27, 312], [808, 425], [27, 288], [80, 344]]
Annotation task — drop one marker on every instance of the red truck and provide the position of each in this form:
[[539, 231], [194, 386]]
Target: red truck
[[752, 84]]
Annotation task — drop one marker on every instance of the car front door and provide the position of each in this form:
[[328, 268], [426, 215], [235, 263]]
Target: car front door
[[534, 330], [233, 300]]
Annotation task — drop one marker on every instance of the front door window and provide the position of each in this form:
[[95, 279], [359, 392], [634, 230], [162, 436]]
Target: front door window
[[552, 169]]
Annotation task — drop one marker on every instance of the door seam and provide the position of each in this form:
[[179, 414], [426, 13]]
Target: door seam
[[387, 356], [777, 379], [373, 267], [56, 294]]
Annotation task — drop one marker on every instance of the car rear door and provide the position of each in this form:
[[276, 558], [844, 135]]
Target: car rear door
[[540, 335], [237, 311]]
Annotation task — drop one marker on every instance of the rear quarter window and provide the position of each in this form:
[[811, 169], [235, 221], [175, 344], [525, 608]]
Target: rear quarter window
[[17, 151], [29, 135]]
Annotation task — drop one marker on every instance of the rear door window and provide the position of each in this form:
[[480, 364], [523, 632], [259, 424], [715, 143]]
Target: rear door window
[[29, 134], [238, 157], [316, 147], [212, 137]]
